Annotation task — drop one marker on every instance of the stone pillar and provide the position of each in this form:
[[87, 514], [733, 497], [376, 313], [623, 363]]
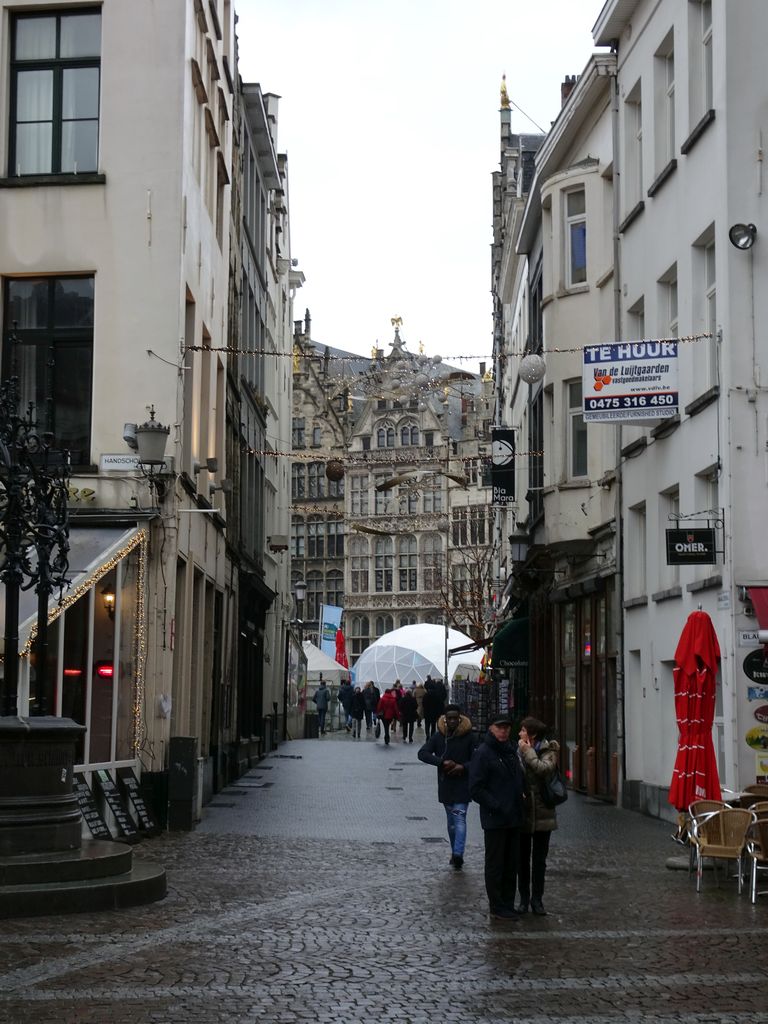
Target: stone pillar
[[38, 810]]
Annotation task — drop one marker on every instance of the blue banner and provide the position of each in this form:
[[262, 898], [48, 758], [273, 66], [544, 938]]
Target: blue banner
[[330, 622]]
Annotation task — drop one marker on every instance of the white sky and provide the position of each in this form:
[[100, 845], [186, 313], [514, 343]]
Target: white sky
[[389, 116]]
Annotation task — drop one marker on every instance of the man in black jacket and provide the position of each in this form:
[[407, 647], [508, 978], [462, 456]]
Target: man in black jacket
[[497, 784], [450, 749]]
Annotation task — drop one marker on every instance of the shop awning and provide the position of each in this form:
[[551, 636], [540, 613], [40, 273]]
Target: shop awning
[[93, 551], [510, 645]]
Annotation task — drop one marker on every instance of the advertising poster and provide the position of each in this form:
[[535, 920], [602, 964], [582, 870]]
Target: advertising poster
[[630, 382], [503, 465]]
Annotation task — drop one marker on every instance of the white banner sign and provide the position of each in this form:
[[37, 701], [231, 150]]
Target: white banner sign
[[630, 381]]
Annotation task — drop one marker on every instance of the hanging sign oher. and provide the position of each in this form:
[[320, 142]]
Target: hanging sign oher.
[[503, 465], [630, 381]]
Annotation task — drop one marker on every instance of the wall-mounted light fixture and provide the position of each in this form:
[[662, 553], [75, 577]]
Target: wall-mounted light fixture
[[743, 236], [518, 547], [109, 598], [225, 486], [151, 438]]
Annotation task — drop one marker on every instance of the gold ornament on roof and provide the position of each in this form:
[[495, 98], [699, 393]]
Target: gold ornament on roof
[[397, 322], [504, 93]]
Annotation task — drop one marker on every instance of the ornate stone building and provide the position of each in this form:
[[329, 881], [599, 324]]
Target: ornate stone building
[[406, 534]]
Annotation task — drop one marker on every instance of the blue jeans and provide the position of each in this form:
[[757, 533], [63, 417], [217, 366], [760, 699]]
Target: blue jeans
[[457, 827]]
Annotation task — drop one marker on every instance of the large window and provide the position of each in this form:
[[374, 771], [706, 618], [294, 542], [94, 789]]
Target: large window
[[335, 538], [53, 318], [55, 73], [577, 432], [359, 496], [575, 238], [700, 89], [359, 562], [407, 563], [334, 588], [315, 537], [432, 562], [360, 631], [664, 103], [316, 480], [298, 477], [383, 565], [633, 148]]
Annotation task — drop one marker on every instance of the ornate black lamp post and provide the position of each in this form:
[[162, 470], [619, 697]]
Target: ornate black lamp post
[[34, 537]]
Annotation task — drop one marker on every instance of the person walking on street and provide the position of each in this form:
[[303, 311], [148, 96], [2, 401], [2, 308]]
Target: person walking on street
[[450, 749], [357, 710], [433, 704], [371, 696], [322, 698], [497, 784], [407, 708], [387, 712], [418, 692], [397, 690], [539, 759], [345, 699]]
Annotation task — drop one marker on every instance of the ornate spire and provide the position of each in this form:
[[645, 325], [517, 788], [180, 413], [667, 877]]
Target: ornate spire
[[504, 93]]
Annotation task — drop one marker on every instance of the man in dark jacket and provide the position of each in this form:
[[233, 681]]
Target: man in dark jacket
[[450, 749], [497, 784], [345, 699], [433, 704], [322, 698]]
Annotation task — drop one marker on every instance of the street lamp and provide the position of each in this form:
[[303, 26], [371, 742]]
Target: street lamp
[[299, 593]]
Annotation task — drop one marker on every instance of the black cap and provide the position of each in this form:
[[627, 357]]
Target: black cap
[[501, 720]]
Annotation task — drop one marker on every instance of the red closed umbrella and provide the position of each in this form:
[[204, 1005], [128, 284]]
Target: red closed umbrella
[[697, 656], [341, 649]]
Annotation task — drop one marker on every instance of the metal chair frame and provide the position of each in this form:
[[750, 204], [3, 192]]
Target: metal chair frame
[[724, 833], [757, 851]]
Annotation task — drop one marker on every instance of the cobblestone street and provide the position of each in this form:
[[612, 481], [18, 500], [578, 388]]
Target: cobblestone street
[[318, 889]]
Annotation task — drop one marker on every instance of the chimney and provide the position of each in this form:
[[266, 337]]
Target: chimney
[[567, 87], [482, 369], [297, 325]]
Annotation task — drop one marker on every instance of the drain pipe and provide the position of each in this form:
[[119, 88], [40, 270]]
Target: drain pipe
[[619, 541]]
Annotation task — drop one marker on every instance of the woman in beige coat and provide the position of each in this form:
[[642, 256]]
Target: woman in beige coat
[[539, 758]]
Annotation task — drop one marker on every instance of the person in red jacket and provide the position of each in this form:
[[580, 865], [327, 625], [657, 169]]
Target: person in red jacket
[[387, 711]]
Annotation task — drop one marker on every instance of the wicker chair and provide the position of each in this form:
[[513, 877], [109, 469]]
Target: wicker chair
[[758, 791], [757, 851], [697, 811], [722, 835]]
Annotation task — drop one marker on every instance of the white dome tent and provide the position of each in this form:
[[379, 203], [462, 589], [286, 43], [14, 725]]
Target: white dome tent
[[415, 652]]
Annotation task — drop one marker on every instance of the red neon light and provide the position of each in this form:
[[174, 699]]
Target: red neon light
[[73, 671], [105, 671]]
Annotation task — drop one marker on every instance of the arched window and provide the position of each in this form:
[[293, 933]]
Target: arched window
[[383, 564], [385, 435], [414, 435], [432, 562], [407, 563], [409, 434], [315, 537], [359, 559], [384, 624], [407, 620]]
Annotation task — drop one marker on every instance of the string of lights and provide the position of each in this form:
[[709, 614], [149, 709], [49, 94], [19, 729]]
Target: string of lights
[[351, 358], [369, 460], [141, 541]]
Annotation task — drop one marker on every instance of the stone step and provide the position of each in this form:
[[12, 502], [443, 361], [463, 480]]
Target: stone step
[[144, 883], [95, 859]]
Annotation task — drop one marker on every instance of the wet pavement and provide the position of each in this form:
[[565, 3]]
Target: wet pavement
[[317, 888]]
